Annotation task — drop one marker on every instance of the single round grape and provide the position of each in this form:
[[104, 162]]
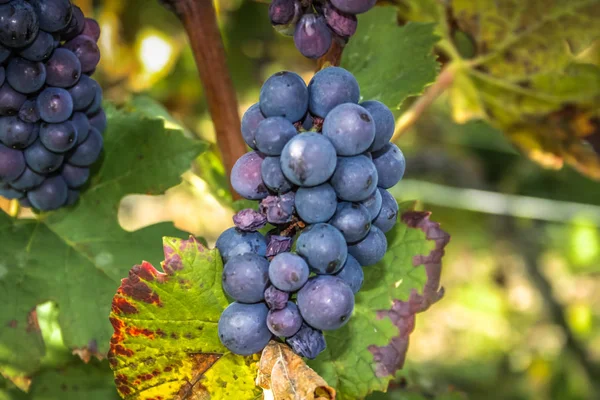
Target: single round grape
[[96, 105], [388, 215], [28, 180], [83, 93], [42, 160], [243, 328], [12, 163], [371, 249], [285, 322], [272, 135], [9, 192], [252, 117], [50, 195], [282, 12], [323, 247], [353, 220], [350, 128], [29, 112], [390, 164], [233, 242], [343, 24], [316, 204], [312, 36], [288, 272], [284, 94], [326, 302], [99, 121], [384, 123], [82, 126], [76, 26], [246, 176], [41, 48], [58, 138], [72, 197], [16, 133], [273, 177], [308, 159], [331, 87], [63, 69], [355, 178], [354, 6], [86, 50], [55, 105], [86, 153], [2, 75], [4, 53], [54, 15], [10, 100], [246, 277], [352, 274], [18, 24], [373, 204], [91, 29]]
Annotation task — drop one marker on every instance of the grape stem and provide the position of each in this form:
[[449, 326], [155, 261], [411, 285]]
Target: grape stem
[[200, 22], [333, 57], [408, 119]]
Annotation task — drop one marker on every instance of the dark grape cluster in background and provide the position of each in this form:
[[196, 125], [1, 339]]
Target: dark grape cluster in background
[[51, 116], [316, 23], [320, 168]]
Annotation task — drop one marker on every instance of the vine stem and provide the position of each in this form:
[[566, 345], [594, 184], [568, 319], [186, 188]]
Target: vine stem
[[200, 22], [408, 119]]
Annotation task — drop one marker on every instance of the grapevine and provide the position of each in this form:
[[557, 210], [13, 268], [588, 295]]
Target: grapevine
[[320, 167], [51, 116]]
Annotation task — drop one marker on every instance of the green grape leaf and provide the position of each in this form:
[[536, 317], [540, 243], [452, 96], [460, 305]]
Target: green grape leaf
[[76, 256], [364, 355], [529, 72], [165, 343], [405, 67]]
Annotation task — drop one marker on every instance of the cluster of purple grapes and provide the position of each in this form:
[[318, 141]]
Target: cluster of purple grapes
[[51, 116], [316, 23], [320, 168]]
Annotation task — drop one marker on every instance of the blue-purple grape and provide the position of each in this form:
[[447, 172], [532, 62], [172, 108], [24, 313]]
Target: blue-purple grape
[[76, 26], [54, 15], [42, 160], [331, 87], [58, 138], [273, 177], [354, 6], [83, 93], [246, 176], [86, 153], [323, 247], [18, 24], [25, 76], [4, 53], [10, 193], [371, 249], [309, 159], [352, 273], [82, 126], [312, 36], [72, 197], [388, 215], [276, 299], [326, 302], [308, 342], [352, 220], [2, 75], [343, 24], [272, 134], [50, 195], [29, 112], [28, 180], [350, 128], [246, 277], [16, 133], [278, 209], [284, 15], [86, 50], [63, 69], [10, 100], [243, 328], [99, 121], [96, 105], [284, 94], [41, 48], [288, 272], [55, 105], [12, 163], [384, 123], [390, 164], [355, 178], [285, 322], [373, 204], [91, 29], [250, 120], [233, 242], [316, 204]]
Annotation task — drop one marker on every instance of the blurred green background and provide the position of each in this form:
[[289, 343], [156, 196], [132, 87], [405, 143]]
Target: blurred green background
[[521, 315]]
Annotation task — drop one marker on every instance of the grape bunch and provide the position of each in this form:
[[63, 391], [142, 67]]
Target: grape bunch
[[320, 167], [316, 23], [51, 116]]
